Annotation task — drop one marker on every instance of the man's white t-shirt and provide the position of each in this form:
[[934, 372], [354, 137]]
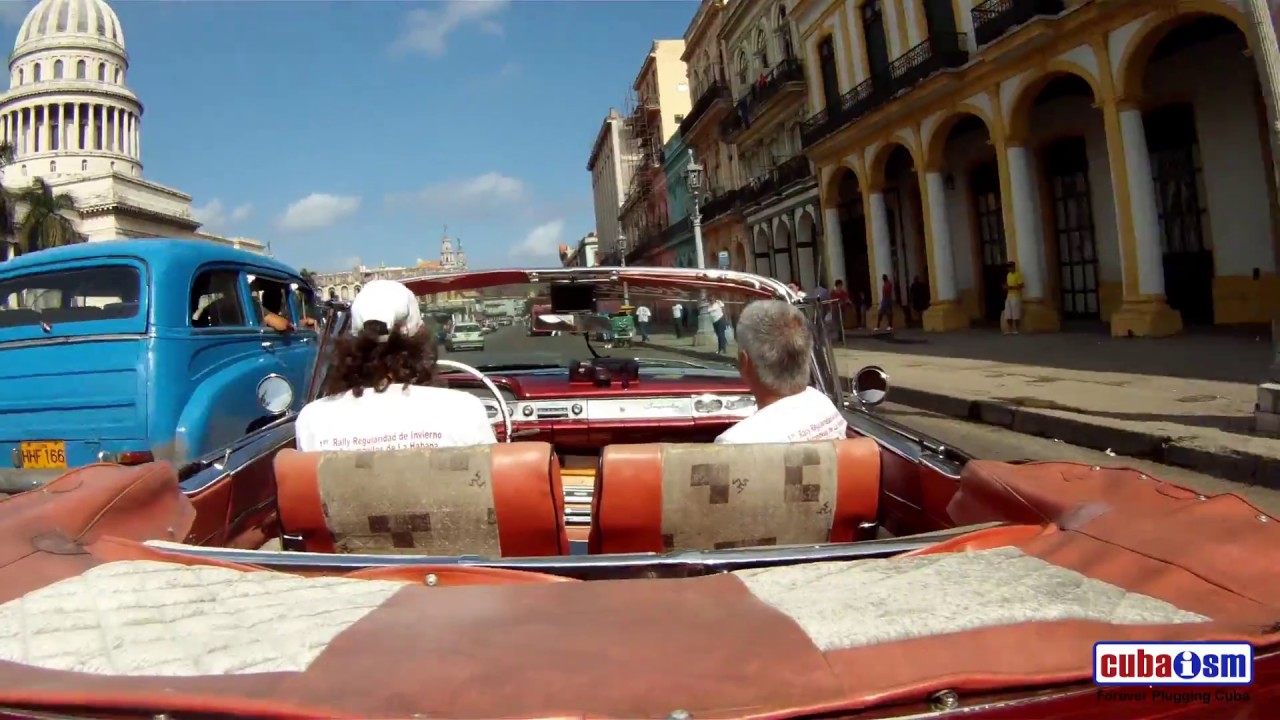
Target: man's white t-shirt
[[642, 314], [677, 311], [802, 417], [716, 311], [397, 418]]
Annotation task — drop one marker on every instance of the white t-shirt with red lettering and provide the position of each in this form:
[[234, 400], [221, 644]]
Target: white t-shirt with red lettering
[[397, 418], [802, 417]]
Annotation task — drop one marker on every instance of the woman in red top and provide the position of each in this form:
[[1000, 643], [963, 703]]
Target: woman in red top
[[886, 303]]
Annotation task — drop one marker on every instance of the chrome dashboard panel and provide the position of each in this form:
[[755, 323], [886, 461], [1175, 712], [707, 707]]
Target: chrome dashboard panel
[[638, 409]]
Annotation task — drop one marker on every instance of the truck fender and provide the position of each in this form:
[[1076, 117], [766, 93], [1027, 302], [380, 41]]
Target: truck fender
[[220, 409]]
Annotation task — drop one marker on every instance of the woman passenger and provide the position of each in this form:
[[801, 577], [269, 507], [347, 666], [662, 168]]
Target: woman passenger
[[379, 393]]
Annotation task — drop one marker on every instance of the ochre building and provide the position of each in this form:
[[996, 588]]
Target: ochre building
[[1117, 150]]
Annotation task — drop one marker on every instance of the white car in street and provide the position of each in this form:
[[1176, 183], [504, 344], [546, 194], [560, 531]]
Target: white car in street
[[465, 336]]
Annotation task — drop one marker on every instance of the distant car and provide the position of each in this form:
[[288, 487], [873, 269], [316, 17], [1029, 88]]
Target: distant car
[[130, 351], [465, 336]]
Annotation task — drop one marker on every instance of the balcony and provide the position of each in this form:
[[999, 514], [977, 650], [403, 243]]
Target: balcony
[[772, 183], [714, 98], [649, 240], [995, 18], [942, 51], [720, 206], [785, 77]]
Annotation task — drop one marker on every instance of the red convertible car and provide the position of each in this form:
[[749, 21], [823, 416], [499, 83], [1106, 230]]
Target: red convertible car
[[607, 559]]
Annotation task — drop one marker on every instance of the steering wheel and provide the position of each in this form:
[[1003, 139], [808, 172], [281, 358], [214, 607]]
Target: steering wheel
[[502, 402]]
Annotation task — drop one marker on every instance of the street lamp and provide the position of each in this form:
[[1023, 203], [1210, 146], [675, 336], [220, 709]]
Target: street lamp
[[622, 256], [693, 177]]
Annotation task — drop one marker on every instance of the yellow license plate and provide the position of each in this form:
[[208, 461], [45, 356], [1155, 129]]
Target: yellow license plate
[[44, 455]]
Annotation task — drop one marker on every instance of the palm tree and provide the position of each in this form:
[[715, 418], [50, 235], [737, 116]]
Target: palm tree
[[7, 152], [45, 225], [308, 276]]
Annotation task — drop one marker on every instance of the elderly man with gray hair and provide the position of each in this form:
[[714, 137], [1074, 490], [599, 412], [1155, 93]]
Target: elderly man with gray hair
[[775, 356]]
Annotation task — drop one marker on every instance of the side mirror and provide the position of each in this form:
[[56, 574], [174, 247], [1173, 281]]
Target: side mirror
[[275, 394], [871, 385]]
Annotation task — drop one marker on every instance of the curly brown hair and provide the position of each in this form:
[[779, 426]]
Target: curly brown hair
[[371, 359]]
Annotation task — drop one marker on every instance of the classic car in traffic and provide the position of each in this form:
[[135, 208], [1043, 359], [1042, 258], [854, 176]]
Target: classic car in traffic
[[607, 559], [465, 336], [130, 351]]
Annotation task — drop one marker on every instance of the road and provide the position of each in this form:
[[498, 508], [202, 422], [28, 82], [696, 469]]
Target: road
[[984, 441]]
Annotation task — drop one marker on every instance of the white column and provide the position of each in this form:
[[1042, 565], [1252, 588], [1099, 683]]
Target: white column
[[75, 128], [834, 240], [1027, 227], [137, 138], [880, 241], [92, 131], [1142, 200], [943, 261]]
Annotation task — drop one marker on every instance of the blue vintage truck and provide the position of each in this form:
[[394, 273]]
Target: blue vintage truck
[[133, 350]]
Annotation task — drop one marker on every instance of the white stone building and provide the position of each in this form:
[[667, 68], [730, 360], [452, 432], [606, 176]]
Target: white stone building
[[74, 122], [344, 284], [611, 165]]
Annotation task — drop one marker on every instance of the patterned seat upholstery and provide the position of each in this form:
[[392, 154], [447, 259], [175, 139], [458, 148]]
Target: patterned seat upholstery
[[490, 500], [663, 497]]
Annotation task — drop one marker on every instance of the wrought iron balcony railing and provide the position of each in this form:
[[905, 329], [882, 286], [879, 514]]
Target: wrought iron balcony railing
[[994, 18], [709, 97], [938, 52], [770, 183], [867, 96], [720, 205], [756, 100]]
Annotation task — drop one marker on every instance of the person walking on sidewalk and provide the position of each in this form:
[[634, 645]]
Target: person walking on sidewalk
[[642, 319], [1013, 298], [716, 312], [886, 303], [677, 313]]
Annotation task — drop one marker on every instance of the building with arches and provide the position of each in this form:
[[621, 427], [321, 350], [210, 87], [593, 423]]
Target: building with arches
[[73, 121], [1117, 151], [344, 284]]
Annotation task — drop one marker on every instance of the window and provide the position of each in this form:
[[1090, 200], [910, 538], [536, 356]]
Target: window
[[109, 292], [57, 70], [271, 295], [784, 34], [21, 76], [35, 73], [762, 49], [307, 307], [117, 76], [743, 68], [102, 72], [81, 70], [215, 300]]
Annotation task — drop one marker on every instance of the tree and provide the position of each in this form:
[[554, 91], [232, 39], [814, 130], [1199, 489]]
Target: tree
[[7, 151], [45, 224], [308, 276]]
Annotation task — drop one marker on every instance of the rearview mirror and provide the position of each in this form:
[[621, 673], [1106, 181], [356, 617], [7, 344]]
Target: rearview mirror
[[275, 394], [574, 323], [871, 385]]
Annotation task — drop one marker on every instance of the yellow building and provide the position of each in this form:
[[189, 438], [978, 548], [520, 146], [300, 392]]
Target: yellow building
[[1115, 149]]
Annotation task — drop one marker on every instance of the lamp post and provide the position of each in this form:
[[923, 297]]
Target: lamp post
[[693, 176], [622, 257]]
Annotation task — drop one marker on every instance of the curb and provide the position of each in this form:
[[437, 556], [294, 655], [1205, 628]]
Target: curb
[[1238, 466]]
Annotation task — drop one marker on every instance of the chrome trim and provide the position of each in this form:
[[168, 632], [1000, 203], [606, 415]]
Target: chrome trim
[[209, 469], [72, 340]]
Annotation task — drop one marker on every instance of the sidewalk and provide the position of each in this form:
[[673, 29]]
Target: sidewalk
[[1186, 401]]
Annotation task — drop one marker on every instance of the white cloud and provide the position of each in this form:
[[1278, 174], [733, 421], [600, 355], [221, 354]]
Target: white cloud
[[479, 195], [214, 214], [542, 241], [13, 12], [426, 31], [317, 210]]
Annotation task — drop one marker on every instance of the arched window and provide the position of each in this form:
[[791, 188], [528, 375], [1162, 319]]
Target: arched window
[[712, 75], [102, 72], [53, 166], [35, 73], [84, 165], [762, 49], [784, 34], [57, 69], [21, 76], [81, 70], [744, 66], [117, 77]]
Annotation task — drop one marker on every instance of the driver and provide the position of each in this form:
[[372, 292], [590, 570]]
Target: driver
[[379, 393], [775, 350]]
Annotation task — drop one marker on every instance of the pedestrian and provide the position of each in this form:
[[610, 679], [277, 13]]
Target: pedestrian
[[716, 312], [677, 312], [1013, 298], [642, 319], [919, 296], [840, 298], [886, 303]]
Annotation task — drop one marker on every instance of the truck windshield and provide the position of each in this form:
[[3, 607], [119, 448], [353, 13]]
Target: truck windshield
[[108, 292]]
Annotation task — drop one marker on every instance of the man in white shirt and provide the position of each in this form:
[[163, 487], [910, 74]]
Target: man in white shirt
[[642, 320], [775, 352], [677, 317], [379, 389], [715, 310]]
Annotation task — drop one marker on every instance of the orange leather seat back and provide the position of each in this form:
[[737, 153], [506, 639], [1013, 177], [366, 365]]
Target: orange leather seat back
[[663, 497], [491, 500]]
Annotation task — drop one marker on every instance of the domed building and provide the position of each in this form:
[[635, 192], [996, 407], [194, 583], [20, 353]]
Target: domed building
[[344, 284], [73, 122]]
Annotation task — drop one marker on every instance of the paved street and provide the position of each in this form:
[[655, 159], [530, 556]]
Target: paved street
[[981, 440]]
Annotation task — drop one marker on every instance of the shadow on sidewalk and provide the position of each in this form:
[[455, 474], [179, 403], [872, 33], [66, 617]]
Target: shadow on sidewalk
[[1240, 355]]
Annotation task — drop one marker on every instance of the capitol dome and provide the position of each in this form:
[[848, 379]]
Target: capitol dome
[[70, 20]]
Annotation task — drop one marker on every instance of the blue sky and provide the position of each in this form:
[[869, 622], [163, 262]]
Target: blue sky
[[345, 130]]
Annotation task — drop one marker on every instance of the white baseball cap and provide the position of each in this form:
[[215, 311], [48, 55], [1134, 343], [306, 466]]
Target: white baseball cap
[[389, 302]]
